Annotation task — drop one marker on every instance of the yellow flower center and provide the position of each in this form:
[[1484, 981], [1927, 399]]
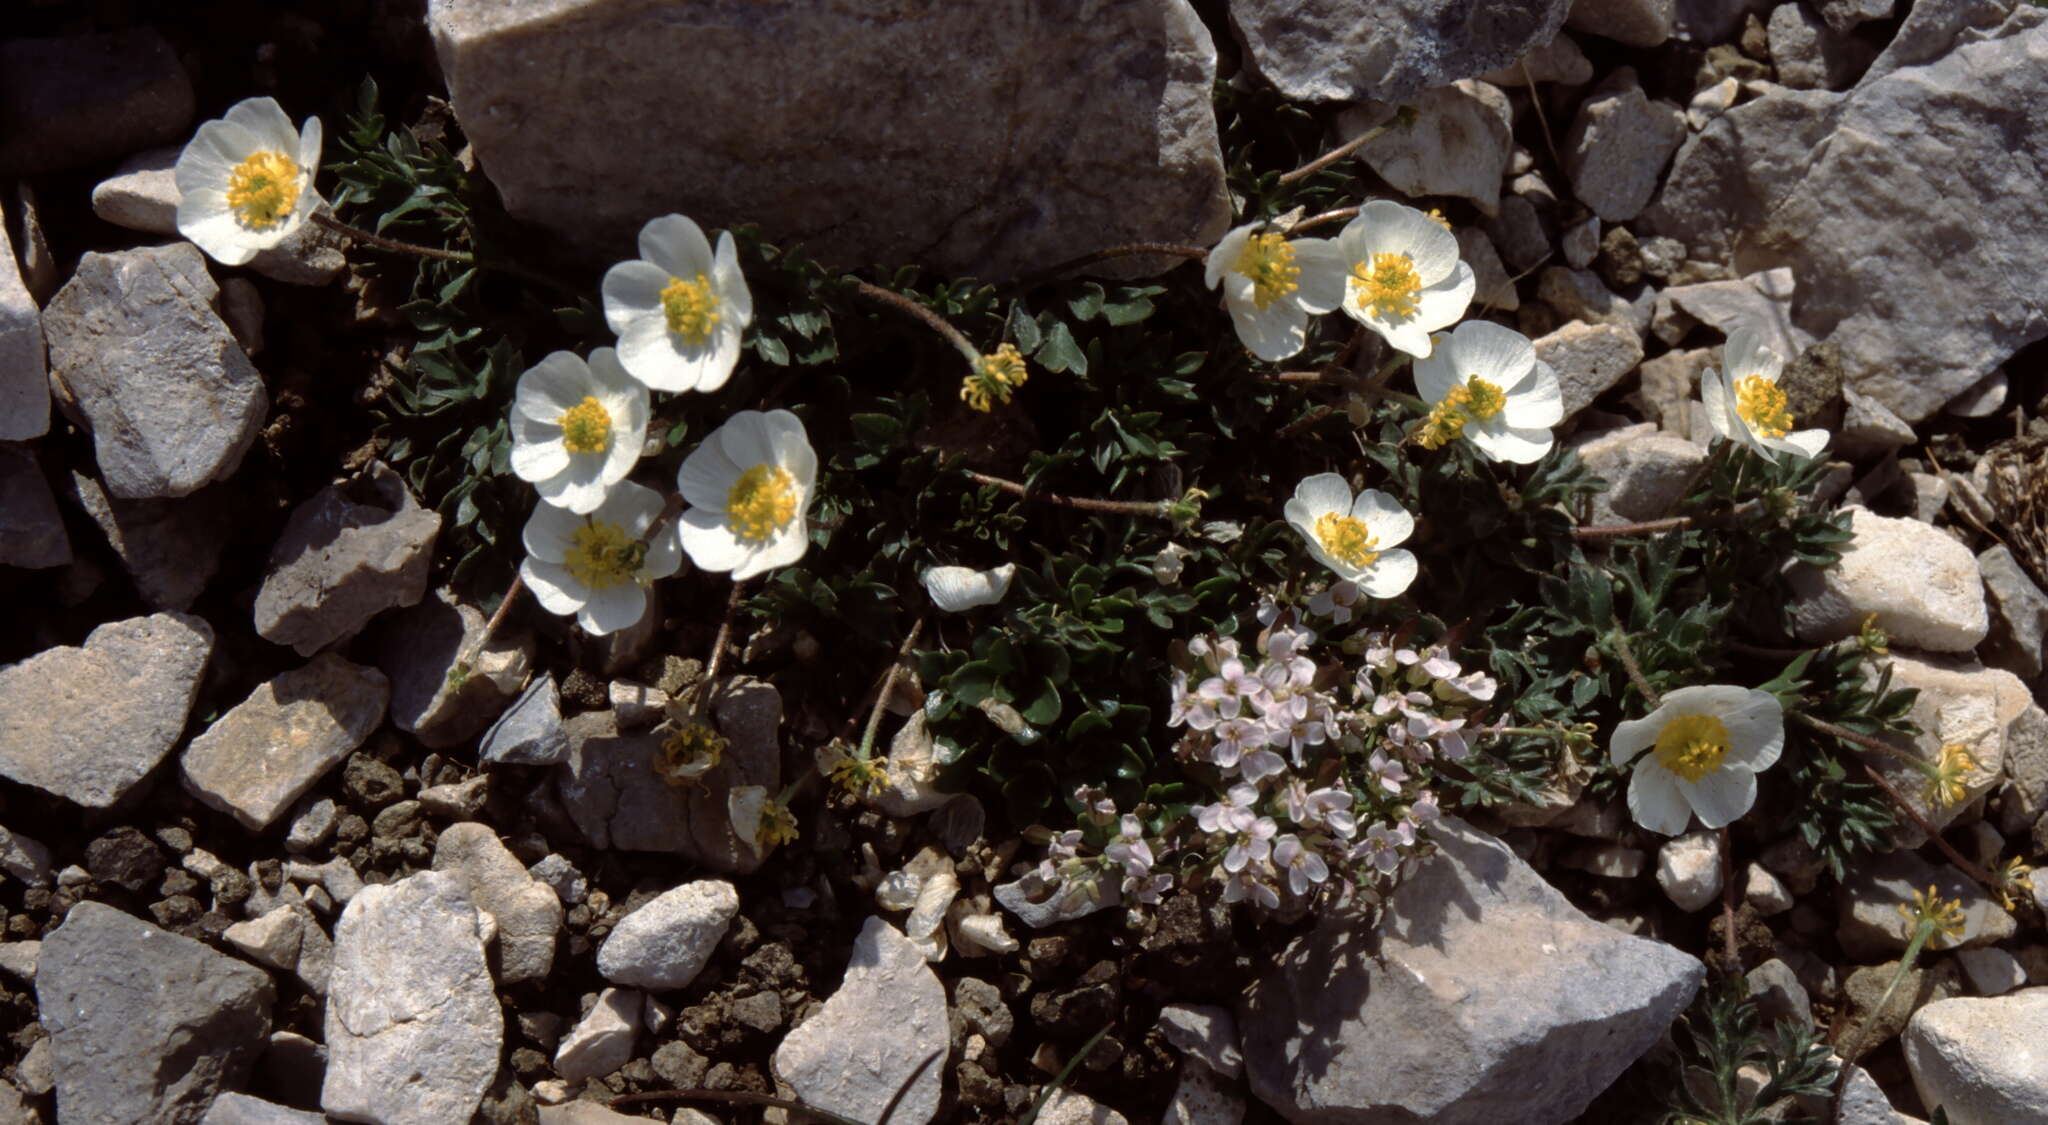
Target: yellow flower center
[[1949, 783], [691, 308], [1762, 405], [1388, 285], [1474, 400], [761, 503], [601, 555], [1346, 539], [263, 189], [586, 427], [1692, 746], [1269, 261], [994, 378], [778, 824], [691, 752]]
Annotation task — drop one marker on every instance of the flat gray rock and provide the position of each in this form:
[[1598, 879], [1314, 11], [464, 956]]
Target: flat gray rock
[[1647, 472], [430, 700], [24, 387], [1617, 146], [32, 534], [254, 761], [1589, 360], [1386, 50], [2019, 614], [874, 1036], [1510, 1005], [148, 367], [351, 552], [413, 1025], [530, 732], [241, 1109], [528, 912], [1006, 172], [88, 723], [79, 99], [666, 942], [170, 548], [1983, 1060], [145, 1026]]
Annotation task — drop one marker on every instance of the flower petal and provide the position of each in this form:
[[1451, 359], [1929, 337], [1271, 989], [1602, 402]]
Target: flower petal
[[1721, 796], [553, 587], [1804, 443], [1501, 442], [747, 438], [1539, 403], [677, 244], [707, 477], [648, 351], [730, 283], [1324, 274], [1654, 799], [1714, 396], [710, 544], [1395, 228], [1745, 354], [1496, 353], [1324, 493], [1634, 736], [612, 609], [632, 289], [1225, 253], [1383, 516], [1443, 303], [549, 531], [1391, 574], [1435, 373], [1272, 334]]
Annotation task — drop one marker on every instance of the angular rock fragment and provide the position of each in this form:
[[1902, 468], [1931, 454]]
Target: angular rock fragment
[[254, 761], [873, 1037], [351, 552], [1385, 50]]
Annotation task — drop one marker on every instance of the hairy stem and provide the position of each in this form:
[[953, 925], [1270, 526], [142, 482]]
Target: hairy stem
[[933, 320], [1336, 154], [1162, 508], [1674, 523], [322, 218], [888, 684], [1634, 670]]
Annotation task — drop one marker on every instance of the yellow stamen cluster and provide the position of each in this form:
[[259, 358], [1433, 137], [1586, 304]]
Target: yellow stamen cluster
[[1269, 261], [994, 379], [1346, 539], [1762, 404], [691, 309], [1872, 639], [761, 503], [860, 778], [2014, 880], [691, 752], [601, 555], [1948, 783], [778, 824], [1388, 285], [1692, 746], [1474, 400], [263, 190], [586, 427], [1928, 908], [1437, 216]]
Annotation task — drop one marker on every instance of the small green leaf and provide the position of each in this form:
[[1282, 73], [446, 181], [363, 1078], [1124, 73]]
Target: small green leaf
[[1060, 352]]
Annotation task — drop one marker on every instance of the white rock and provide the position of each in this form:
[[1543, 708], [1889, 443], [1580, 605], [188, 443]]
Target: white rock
[[1923, 586], [1689, 870], [142, 194], [1589, 359], [1869, 426], [1765, 892], [1982, 398], [666, 943], [1618, 145], [1038, 905], [1204, 1032], [435, 696], [18, 959], [1582, 295], [272, 939], [898, 890], [458, 800], [1985, 1060], [1201, 1098], [602, 1041], [528, 912], [1647, 472], [1710, 102], [957, 589], [1339, 50], [26, 859], [241, 1109], [1961, 703], [983, 934], [858, 1049], [413, 1026], [1760, 302], [1070, 1107], [1458, 145], [561, 875], [1992, 971]]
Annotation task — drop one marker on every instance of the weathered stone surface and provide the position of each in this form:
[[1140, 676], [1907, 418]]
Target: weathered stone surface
[[1589, 359], [667, 942], [1689, 870], [2019, 615], [254, 761], [528, 912], [1559, 60], [1993, 971], [990, 178], [145, 1026], [75, 100], [88, 723], [1200, 1097], [1983, 1060], [351, 552], [413, 1026], [1458, 145], [1511, 1005], [1839, 187], [1870, 926], [1206, 1033], [2025, 800], [289, 939], [241, 1109], [142, 194], [32, 534], [1761, 302], [1635, 23], [1617, 146], [1922, 585], [1647, 472], [24, 389], [602, 1041], [1492, 287], [170, 548], [419, 650], [1809, 55], [26, 858], [868, 1040], [1961, 703], [611, 790], [1071, 1107], [530, 732], [1385, 50], [1581, 295], [142, 360]]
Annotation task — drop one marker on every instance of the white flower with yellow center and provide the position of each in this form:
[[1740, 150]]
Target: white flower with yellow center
[[1354, 537], [1403, 278], [1271, 285], [1745, 404], [748, 486], [679, 309], [1484, 383], [577, 427], [595, 565], [245, 182], [1699, 752]]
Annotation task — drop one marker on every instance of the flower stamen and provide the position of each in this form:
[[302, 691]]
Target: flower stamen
[[601, 555], [1948, 781], [1762, 404], [1346, 539], [1268, 261], [1388, 285], [263, 190], [761, 503], [1692, 746], [691, 309], [586, 427], [995, 378], [1474, 400]]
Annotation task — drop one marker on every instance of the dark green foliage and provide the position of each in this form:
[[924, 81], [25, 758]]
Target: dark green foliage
[[1720, 1038]]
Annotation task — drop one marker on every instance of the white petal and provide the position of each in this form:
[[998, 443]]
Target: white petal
[[632, 289], [1500, 442], [553, 586], [212, 228], [707, 477], [631, 506], [1406, 336], [664, 555], [1393, 572], [1721, 796], [1805, 443], [1443, 303], [549, 531], [1745, 354], [1394, 228], [793, 452], [1540, 402], [717, 359], [1714, 396], [1324, 493], [677, 244], [1225, 253], [579, 487], [747, 439], [1497, 354], [1756, 729], [1273, 334], [552, 386], [612, 609], [536, 460], [787, 546], [730, 283], [710, 544], [310, 138], [266, 122], [1634, 736], [957, 589], [1654, 799], [1387, 521], [1324, 274], [1435, 373], [648, 353]]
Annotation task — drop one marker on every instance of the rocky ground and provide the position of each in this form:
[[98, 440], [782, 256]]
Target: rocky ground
[[265, 859]]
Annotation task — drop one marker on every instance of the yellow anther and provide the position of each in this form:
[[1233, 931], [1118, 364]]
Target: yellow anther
[[691, 309], [1763, 405], [994, 378], [586, 427], [1692, 746], [1473, 400], [1268, 260], [1948, 783], [1346, 539], [761, 503], [601, 555], [1946, 917], [1437, 217], [1388, 285], [263, 190]]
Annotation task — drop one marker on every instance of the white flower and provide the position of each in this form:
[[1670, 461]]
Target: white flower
[[1483, 382], [1271, 285], [245, 182], [1353, 537], [577, 427], [749, 485], [1405, 280], [594, 565], [1698, 752], [957, 589], [1745, 404], [679, 310]]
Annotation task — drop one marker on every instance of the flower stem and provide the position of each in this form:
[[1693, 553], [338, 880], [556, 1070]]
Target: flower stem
[[1955, 857], [393, 245], [1340, 215], [1921, 932], [1674, 523], [933, 320], [719, 645], [1635, 670], [1338, 153], [1162, 508], [888, 684]]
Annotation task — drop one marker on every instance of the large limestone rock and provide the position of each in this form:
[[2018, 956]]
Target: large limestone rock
[[1459, 144], [143, 361], [528, 911], [857, 1052], [988, 139], [1909, 208], [1386, 50], [1961, 703], [170, 548], [413, 1026], [1481, 996], [1923, 586], [1616, 147], [145, 1026], [351, 552], [77, 99], [1984, 1061], [254, 761], [88, 723]]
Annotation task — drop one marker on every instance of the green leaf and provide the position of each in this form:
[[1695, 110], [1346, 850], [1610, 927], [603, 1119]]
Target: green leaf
[[1023, 329], [973, 682], [1044, 707], [1088, 302], [877, 431], [1060, 352]]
